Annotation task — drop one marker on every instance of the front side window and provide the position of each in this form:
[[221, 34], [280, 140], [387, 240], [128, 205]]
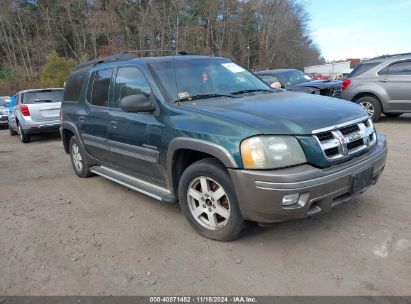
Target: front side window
[[186, 79], [100, 88], [129, 81], [400, 68]]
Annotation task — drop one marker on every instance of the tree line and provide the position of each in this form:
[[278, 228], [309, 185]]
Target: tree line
[[259, 34]]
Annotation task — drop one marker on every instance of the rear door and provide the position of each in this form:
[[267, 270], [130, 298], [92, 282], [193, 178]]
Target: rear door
[[397, 83], [134, 137], [93, 120], [44, 105]]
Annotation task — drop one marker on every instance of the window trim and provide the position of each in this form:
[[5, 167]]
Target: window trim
[[93, 73], [114, 84]]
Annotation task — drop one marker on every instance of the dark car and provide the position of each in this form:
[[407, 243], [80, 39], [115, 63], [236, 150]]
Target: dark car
[[297, 81], [208, 133]]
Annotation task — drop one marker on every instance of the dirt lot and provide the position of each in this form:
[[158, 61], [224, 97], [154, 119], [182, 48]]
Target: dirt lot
[[62, 235]]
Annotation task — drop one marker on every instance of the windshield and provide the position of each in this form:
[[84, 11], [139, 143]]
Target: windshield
[[43, 96], [197, 78], [293, 77]]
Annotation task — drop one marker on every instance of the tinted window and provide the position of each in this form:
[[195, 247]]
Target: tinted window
[[42, 96], [269, 79], [362, 68], [129, 81], [74, 87], [100, 88], [292, 77], [400, 68]]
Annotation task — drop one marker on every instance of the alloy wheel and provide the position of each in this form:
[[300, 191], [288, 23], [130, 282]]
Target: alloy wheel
[[77, 159], [368, 106], [208, 203]]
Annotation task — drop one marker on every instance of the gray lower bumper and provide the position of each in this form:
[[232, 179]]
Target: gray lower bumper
[[260, 193]]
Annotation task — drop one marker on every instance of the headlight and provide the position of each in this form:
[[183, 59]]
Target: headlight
[[269, 152]]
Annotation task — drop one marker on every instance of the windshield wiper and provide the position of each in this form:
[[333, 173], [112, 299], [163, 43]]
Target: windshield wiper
[[43, 100], [204, 96], [251, 91]]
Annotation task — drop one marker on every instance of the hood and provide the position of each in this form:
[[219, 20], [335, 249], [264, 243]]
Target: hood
[[320, 84], [280, 113]]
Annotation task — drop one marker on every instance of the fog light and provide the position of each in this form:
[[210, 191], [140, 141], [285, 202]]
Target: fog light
[[290, 199]]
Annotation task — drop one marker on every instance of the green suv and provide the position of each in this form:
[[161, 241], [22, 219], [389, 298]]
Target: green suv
[[208, 133]]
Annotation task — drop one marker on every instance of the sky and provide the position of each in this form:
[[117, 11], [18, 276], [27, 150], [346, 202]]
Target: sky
[[360, 28]]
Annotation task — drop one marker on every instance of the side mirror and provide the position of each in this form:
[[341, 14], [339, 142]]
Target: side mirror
[[137, 103], [276, 85]]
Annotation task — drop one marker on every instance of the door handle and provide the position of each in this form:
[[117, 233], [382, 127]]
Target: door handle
[[113, 124], [82, 119], [383, 80]]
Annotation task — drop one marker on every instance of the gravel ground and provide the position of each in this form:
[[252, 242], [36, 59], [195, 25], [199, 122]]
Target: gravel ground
[[62, 235]]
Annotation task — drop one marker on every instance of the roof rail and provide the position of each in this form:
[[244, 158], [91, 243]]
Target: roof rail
[[393, 55], [127, 55]]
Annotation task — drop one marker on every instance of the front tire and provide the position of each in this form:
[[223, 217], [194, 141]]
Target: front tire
[[24, 138], [78, 159], [208, 201], [372, 105]]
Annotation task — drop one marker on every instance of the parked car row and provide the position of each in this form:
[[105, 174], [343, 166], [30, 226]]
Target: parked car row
[[381, 85]]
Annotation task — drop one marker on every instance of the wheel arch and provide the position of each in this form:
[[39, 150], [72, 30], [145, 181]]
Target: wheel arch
[[182, 152], [364, 94]]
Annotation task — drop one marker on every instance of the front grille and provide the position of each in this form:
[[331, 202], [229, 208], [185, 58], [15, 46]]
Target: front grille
[[331, 152], [343, 141], [325, 136], [355, 144], [349, 129]]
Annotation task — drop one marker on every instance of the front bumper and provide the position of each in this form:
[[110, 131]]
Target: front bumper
[[260, 193]]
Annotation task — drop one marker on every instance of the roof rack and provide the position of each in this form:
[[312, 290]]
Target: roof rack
[[127, 55], [393, 55]]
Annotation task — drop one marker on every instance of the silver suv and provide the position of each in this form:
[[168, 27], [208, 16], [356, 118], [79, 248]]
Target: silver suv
[[35, 111], [381, 85]]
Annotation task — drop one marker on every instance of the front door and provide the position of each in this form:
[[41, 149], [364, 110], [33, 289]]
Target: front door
[[134, 138], [398, 85]]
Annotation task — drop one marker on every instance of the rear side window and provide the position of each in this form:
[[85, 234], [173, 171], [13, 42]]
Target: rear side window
[[73, 88], [42, 96], [362, 68], [129, 81], [400, 68], [99, 88]]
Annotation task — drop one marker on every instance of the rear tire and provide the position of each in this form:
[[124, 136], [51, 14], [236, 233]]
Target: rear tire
[[393, 114], [24, 138], [12, 132], [372, 105], [208, 201], [78, 159]]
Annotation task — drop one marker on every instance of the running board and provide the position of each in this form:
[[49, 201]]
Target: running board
[[162, 194]]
